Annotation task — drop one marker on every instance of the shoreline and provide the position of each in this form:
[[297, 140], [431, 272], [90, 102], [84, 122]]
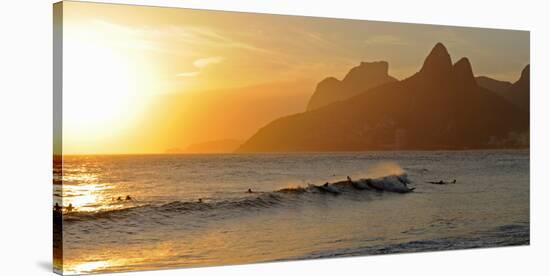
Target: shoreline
[[503, 236]]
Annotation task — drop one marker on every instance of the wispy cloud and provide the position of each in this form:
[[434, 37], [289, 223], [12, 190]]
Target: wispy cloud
[[385, 40], [172, 39], [200, 63], [203, 62], [188, 74]]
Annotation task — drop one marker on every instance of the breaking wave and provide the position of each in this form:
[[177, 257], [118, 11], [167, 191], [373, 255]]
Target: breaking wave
[[394, 183]]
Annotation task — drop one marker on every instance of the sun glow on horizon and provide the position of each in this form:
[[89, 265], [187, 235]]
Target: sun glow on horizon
[[142, 80], [106, 89]]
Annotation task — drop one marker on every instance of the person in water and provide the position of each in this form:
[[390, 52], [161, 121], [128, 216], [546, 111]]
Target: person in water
[[70, 208], [128, 197], [57, 208], [441, 182], [349, 179], [249, 191], [119, 198], [200, 200]]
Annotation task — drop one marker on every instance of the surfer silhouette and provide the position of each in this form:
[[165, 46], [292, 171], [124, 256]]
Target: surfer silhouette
[[200, 200], [119, 198], [57, 208], [70, 208], [328, 189], [349, 179], [249, 191], [441, 182], [128, 197]]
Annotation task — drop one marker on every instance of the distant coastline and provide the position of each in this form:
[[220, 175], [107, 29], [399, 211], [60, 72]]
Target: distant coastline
[[58, 158]]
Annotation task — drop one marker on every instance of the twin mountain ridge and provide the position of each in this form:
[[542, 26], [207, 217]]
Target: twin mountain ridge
[[442, 106]]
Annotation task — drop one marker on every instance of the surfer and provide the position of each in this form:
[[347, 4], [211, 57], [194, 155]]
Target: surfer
[[57, 208], [441, 182], [128, 197], [329, 189], [200, 200], [249, 191], [355, 185], [119, 198], [70, 208]]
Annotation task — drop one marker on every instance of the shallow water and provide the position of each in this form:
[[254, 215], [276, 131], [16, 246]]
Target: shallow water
[[164, 225]]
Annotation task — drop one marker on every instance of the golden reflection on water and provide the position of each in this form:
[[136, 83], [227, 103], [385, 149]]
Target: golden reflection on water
[[121, 258], [86, 198], [88, 267], [85, 189], [81, 177]]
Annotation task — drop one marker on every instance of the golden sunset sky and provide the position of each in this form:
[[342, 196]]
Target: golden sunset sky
[[142, 79]]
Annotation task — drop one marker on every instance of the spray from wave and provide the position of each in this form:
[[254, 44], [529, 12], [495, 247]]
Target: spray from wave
[[383, 177], [385, 169]]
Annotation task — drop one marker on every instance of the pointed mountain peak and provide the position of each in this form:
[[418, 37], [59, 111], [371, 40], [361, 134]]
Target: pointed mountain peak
[[439, 47], [438, 61], [463, 66], [524, 79], [462, 71], [525, 72]]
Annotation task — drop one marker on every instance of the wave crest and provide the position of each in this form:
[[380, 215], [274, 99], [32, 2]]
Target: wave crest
[[261, 200]]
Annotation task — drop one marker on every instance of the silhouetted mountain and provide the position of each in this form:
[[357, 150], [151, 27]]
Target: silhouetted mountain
[[497, 86], [217, 146], [439, 107], [520, 90], [517, 93], [359, 79], [438, 64]]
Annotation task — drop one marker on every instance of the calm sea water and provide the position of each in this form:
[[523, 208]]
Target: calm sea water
[[165, 225]]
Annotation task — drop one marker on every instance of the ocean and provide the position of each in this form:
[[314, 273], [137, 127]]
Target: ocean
[[194, 210]]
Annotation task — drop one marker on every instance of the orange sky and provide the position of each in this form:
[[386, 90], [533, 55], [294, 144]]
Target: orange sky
[[144, 79]]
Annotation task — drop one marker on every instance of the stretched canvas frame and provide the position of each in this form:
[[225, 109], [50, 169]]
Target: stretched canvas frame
[[187, 138]]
